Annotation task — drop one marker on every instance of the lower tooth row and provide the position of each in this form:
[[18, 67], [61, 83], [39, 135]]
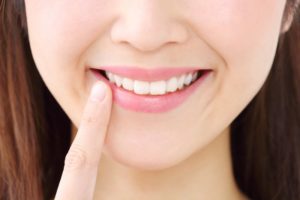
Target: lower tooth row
[[153, 88]]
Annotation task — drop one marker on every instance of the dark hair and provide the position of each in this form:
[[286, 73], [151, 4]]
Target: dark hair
[[265, 137], [35, 132]]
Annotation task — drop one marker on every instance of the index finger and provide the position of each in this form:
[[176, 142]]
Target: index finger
[[81, 163]]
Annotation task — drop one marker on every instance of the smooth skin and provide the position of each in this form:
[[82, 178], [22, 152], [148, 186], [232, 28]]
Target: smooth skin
[[80, 174], [81, 164], [181, 154]]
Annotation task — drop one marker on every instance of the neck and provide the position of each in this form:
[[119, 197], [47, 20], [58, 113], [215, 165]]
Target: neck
[[205, 175]]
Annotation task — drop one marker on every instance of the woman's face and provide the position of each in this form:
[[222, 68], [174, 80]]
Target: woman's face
[[236, 39]]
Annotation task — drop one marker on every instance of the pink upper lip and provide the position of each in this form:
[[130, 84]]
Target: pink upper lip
[[155, 74]]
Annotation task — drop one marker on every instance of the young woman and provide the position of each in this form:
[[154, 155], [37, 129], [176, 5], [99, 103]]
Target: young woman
[[145, 99]]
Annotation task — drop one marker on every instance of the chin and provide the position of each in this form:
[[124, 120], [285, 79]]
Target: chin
[[148, 155]]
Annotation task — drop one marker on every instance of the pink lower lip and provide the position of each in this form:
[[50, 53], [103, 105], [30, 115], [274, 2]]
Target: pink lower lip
[[150, 103]]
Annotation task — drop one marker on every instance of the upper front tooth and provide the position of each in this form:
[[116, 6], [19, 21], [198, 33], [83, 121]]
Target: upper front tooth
[[172, 84], [141, 87], [158, 87]]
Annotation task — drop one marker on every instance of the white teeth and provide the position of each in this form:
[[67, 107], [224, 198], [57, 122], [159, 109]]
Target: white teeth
[[172, 84], [154, 88], [158, 87], [118, 80], [195, 76], [110, 76], [128, 84], [188, 79], [141, 87], [181, 81]]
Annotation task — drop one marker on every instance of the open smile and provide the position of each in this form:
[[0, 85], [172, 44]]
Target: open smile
[[151, 91]]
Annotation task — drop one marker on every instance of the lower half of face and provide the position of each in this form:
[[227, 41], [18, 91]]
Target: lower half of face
[[236, 40]]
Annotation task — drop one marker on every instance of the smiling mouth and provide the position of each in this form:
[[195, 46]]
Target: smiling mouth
[[153, 91], [158, 87]]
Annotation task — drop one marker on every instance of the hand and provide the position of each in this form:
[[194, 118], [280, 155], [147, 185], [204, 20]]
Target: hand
[[81, 163]]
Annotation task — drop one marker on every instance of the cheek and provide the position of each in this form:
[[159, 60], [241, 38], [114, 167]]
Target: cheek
[[238, 28], [66, 28], [246, 31], [59, 34], [243, 33]]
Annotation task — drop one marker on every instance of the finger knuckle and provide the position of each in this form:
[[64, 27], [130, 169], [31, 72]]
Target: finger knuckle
[[76, 158], [88, 119]]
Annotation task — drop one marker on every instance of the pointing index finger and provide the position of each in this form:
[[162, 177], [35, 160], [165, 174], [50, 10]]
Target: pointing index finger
[[81, 163]]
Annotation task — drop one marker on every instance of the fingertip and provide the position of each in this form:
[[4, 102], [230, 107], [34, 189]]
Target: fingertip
[[99, 91]]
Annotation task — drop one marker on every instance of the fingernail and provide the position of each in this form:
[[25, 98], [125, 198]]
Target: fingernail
[[98, 92]]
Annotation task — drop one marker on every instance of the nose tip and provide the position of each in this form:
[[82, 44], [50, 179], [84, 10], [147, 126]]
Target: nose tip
[[148, 34]]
